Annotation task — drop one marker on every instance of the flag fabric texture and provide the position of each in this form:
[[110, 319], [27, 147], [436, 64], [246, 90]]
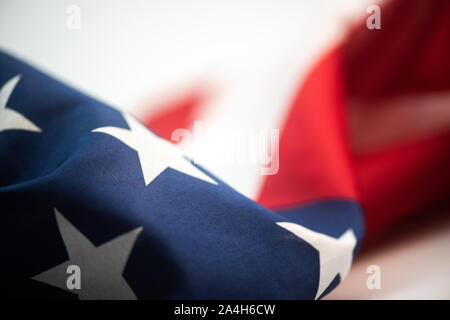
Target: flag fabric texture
[[89, 191], [86, 187]]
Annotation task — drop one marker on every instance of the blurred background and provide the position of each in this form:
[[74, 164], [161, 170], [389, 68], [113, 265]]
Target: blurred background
[[238, 57]]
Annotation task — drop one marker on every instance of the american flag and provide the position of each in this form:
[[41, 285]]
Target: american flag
[[86, 185], [89, 190]]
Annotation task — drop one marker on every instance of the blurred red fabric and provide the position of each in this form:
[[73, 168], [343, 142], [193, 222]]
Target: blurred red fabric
[[325, 146]]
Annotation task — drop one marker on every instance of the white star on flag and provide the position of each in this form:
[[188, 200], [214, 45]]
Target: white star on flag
[[101, 267], [9, 118], [155, 154], [335, 255]]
